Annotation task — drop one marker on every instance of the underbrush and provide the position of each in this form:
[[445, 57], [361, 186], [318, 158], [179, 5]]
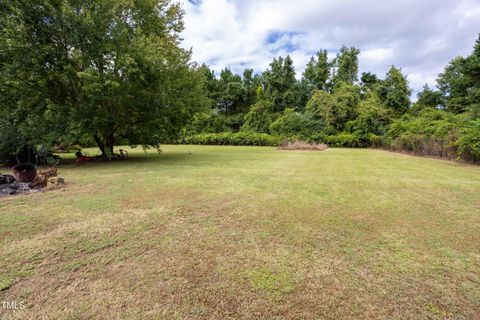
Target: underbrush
[[243, 138], [436, 133]]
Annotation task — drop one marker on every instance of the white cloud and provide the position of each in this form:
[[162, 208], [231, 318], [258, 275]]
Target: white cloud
[[421, 37], [376, 55]]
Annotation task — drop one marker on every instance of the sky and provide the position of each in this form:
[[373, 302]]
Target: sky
[[419, 36]]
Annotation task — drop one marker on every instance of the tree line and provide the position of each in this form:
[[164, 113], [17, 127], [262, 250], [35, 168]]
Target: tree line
[[113, 72], [332, 103]]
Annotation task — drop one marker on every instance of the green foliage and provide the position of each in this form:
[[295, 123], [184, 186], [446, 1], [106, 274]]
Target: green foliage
[[368, 82], [231, 93], [280, 84], [243, 138], [260, 117], [346, 64], [433, 132], [460, 83], [12, 141], [110, 69], [231, 96], [296, 126], [317, 72], [428, 98], [372, 117], [206, 122], [346, 140], [468, 142], [251, 83], [335, 109], [394, 91], [472, 75], [452, 83]]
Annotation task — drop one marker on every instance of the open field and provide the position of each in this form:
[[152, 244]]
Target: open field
[[247, 233]]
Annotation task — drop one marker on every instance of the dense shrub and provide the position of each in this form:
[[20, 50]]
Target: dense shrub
[[207, 122], [353, 140], [372, 117], [344, 139], [433, 133], [296, 126], [260, 117], [243, 138], [468, 143], [334, 109]]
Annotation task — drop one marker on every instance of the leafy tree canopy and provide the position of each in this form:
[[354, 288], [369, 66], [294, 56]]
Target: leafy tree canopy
[[335, 109], [280, 84], [395, 92], [106, 69], [317, 72], [346, 66]]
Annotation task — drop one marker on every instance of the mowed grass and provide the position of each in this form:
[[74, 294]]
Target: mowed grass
[[201, 232]]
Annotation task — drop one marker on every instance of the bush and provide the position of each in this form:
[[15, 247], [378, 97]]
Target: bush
[[468, 143], [243, 138], [334, 109], [260, 117], [432, 133], [296, 126], [207, 122], [345, 140]]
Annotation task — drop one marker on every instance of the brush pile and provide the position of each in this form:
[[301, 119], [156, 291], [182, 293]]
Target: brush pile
[[302, 145]]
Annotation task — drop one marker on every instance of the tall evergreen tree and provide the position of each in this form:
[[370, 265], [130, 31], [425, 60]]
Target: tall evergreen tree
[[280, 84], [211, 83], [454, 85], [395, 92], [346, 66], [251, 83], [317, 72], [368, 81], [231, 93], [472, 75], [430, 98]]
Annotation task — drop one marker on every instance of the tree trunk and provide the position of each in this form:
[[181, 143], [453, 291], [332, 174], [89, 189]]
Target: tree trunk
[[100, 144], [109, 141], [105, 145]]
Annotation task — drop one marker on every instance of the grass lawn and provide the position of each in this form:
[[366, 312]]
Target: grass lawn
[[247, 233]]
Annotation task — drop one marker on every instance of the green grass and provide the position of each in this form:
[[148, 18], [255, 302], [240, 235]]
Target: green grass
[[247, 232]]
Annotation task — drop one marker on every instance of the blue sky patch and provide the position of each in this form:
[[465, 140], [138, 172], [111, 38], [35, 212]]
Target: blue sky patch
[[285, 37]]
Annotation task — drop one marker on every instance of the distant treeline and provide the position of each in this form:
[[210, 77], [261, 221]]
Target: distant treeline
[[331, 104]]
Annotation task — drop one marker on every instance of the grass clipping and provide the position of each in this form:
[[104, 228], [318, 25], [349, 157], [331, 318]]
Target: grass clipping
[[302, 145]]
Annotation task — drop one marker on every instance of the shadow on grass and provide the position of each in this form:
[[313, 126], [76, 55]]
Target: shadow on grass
[[133, 160]]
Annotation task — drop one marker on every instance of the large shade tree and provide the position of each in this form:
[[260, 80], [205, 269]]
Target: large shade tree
[[104, 69]]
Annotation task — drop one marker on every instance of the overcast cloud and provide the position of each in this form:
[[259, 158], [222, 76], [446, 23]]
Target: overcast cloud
[[420, 36]]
